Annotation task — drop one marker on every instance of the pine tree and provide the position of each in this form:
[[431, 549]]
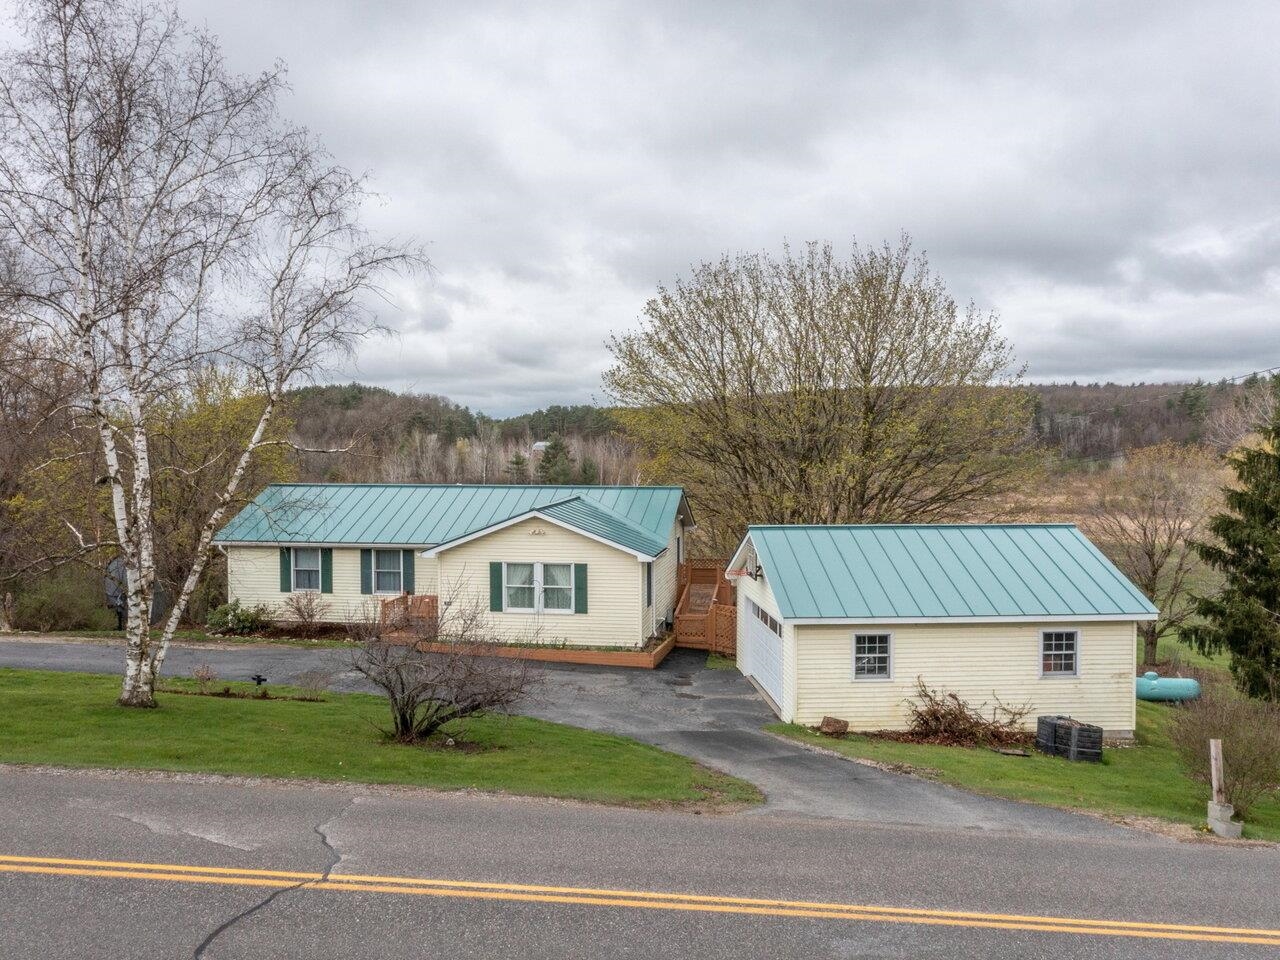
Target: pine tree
[[588, 472], [1244, 618], [518, 468], [555, 465]]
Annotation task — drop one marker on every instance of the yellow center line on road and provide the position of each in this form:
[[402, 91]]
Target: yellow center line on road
[[636, 899]]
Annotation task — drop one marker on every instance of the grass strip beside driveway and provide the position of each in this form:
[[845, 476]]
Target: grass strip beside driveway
[[70, 719], [1145, 780]]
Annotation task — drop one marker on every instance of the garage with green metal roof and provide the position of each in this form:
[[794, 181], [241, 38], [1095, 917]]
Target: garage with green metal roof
[[564, 565], [844, 621]]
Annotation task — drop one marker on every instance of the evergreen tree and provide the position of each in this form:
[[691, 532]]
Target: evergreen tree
[[555, 466], [1244, 618], [588, 472], [518, 468]]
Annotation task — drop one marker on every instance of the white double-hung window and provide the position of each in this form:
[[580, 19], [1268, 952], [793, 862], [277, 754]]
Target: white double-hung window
[[388, 571], [1059, 653], [306, 568], [557, 587], [537, 587], [872, 656]]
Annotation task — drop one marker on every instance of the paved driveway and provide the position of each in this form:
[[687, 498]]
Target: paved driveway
[[714, 716]]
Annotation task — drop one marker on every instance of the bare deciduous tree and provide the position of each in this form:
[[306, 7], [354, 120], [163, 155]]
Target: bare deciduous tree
[[1145, 517], [460, 676], [813, 389], [1247, 415], [167, 220]]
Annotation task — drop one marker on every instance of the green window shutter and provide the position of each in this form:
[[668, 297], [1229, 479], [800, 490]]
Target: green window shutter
[[406, 566], [326, 570], [579, 588], [366, 571], [286, 570], [495, 587]]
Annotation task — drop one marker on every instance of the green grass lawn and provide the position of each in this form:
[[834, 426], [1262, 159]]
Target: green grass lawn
[[1174, 649], [1144, 780], [70, 719], [716, 661]]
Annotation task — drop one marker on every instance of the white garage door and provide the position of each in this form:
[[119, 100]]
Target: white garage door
[[762, 635]]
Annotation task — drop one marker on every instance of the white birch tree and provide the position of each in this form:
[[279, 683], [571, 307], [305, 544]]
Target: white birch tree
[[167, 220]]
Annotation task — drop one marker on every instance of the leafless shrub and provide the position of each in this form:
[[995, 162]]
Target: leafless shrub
[[1250, 735], [313, 684], [306, 610], [452, 673], [204, 675], [945, 718]]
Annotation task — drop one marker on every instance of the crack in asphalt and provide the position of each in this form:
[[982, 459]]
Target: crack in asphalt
[[165, 828], [335, 858]]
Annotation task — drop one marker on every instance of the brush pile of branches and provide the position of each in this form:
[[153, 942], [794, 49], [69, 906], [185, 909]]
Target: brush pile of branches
[[947, 720]]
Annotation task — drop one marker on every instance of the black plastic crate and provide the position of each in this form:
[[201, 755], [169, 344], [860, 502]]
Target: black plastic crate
[[1069, 738]]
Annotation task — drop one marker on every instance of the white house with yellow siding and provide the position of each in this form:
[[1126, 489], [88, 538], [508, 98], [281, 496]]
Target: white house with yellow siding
[[841, 621], [588, 566]]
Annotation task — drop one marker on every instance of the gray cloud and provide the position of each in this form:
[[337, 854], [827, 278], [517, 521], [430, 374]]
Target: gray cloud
[[1101, 174]]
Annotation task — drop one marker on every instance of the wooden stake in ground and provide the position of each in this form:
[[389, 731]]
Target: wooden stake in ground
[[1215, 771], [1220, 812]]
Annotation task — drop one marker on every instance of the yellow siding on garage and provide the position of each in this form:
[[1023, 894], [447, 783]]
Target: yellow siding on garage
[[253, 578], [614, 585], [976, 661]]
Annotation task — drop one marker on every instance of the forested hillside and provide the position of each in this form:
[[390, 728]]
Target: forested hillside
[[1103, 420], [379, 435]]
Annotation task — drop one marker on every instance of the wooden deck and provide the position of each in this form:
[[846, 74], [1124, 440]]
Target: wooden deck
[[706, 615]]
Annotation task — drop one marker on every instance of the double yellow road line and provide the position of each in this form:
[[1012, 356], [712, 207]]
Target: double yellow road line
[[631, 899]]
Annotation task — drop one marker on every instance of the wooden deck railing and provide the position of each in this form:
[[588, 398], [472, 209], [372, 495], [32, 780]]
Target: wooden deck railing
[[706, 616], [417, 614]]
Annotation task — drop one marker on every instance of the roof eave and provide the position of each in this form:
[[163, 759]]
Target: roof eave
[[440, 548], [1027, 618]]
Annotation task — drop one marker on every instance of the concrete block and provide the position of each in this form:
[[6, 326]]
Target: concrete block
[[1221, 811], [1230, 829]]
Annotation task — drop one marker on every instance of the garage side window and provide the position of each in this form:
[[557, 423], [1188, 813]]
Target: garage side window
[[872, 656], [1059, 653]]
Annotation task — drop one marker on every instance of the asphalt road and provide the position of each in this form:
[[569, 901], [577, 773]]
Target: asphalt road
[[375, 872], [714, 716]]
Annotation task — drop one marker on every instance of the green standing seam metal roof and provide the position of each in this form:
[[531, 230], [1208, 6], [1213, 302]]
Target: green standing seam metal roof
[[414, 515], [582, 514], [927, 571]]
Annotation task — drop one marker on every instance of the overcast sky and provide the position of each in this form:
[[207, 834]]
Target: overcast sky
[[1104, 175]]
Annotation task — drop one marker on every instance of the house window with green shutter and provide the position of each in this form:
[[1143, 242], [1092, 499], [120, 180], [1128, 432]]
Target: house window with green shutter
[[520, 593], [557, 587], [539, 588], [306, 568], [388, 571]]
